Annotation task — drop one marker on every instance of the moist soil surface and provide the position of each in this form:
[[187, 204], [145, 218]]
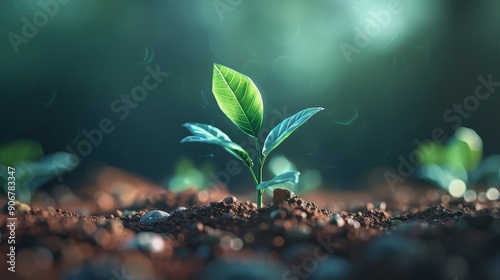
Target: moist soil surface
[[231, 239]]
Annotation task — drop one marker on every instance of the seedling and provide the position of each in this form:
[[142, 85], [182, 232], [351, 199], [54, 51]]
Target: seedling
[[240, 100], [32, 167]]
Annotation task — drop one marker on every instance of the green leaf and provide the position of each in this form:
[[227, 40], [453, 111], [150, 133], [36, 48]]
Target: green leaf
[[204, 133], [239, 99], [285, 178], [286, 127]]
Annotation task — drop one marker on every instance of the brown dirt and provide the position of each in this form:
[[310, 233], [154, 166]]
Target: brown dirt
[[232, 239]]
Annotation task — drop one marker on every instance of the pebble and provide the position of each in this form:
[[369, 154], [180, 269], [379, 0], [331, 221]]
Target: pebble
[[280, 195], [230, 199], [179, 209], [154, 216]]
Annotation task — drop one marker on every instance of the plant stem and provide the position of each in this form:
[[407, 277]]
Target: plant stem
[[253, 176], [259, 174], [261, 165], [259, 198]]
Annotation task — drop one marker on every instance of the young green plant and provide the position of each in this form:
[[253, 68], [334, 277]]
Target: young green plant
[[240, 100]]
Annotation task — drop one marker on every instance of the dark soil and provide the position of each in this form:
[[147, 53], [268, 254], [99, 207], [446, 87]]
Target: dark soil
[[232, 239]]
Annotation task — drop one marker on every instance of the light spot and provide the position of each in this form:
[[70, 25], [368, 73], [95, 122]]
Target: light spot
[[279, 164], [311, 179], [225, 242], [457, 188], [482, 197], [43, 257], [470, 196], [149, 241], [278, 241], [492, 194], [236, 244]]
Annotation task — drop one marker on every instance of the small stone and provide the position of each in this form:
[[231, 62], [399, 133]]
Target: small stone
[[230, 199], [118, 213], [179, 209], [382, 206], [280, 195], [369, 206], [154, 216]]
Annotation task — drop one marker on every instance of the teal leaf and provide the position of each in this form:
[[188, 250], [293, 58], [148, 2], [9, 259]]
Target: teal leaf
[[206, 130], [204, 133], [239, 98], [287, 177], [286, 127]]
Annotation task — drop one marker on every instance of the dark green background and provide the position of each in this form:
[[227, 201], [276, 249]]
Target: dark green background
[[425, 60]]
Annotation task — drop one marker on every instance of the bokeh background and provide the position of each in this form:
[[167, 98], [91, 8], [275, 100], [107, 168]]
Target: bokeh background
[[387, 73]]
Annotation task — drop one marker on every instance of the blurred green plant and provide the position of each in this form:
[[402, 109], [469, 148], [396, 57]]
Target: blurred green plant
[[458, 159], [187, 176], [33, 169], [240, 100], [463, 150], [311, 178]]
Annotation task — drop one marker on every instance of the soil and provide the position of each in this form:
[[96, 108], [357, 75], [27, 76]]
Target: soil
[[290, 238]]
